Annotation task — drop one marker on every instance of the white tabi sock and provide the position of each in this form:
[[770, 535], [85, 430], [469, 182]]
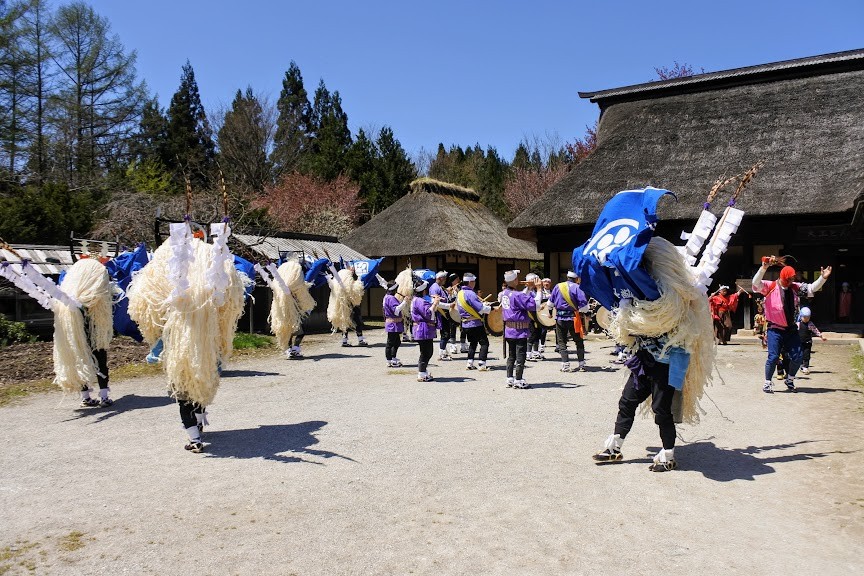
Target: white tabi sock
[[103, 393], [85, 394], [613, 442], [194, 434], [665, 456]]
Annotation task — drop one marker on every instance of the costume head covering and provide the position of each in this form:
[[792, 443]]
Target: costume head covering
[[530, 277], [511, 275], [787, 274], [572, 274], [805, 312], [547, 280], [392, 286], [468, 277], [844, 284], [657, 300], [441, 274], [723, 287], [421, 286]]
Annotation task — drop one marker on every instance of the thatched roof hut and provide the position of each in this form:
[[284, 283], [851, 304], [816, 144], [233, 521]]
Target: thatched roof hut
[[441, 226], [804, 118], [438, 217]]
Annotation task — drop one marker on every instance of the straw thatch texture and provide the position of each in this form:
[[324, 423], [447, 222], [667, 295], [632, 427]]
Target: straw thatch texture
[[438, 217], [808, 130]]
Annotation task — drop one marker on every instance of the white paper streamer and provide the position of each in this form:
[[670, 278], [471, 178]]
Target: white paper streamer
[[26, 285], [264, 275], [217, 275], [180, 260], [47, 286]]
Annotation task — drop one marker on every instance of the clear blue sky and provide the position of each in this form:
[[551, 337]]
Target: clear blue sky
[[465, 72]]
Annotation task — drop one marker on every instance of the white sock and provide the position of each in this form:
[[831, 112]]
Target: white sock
[[202, 419], [85, 394], [194, 434], [103, 393]]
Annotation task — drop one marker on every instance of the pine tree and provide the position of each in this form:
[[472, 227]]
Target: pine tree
[[190, 142], [244, 139], [361, 165], [396, 170], [331, 135], [292, 124]]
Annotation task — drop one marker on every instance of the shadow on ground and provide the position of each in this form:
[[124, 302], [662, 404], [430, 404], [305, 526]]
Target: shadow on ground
[[245, 373], [556, 385], [269, 442], [728, 464], [319, 357], [121, 404]]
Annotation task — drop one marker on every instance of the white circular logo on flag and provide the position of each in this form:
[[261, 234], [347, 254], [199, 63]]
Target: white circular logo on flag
[[616, 234]]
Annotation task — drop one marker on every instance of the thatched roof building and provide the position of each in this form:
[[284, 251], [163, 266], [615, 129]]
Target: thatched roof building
[[436, 218], [442, 226], [804, 118]]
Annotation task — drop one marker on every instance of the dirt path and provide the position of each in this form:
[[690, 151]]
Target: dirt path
[[335, 465]]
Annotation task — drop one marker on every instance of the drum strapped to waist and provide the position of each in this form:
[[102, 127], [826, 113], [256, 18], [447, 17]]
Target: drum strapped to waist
[[454, 314], [546, 316], [602, 318], [494, 322]]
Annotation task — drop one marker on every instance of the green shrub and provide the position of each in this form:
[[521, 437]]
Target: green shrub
[[12, 332], [243, 340]]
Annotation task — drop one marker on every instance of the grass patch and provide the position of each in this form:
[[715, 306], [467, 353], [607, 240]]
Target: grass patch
[[10, 556], [11, 392], [245, 341], [72, 541]]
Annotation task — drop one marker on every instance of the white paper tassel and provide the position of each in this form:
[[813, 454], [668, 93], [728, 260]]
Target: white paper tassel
[[27, 286], [48, 286], [180, 260], [264, 275], [217, 276], [702, 230]]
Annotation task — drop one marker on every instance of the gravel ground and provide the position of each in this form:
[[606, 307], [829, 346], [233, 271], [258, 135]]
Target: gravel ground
[[337, 465]]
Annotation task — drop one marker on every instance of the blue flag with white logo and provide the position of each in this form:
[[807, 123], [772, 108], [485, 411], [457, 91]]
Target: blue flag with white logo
[[610, 262], [367, 272], [317, 272]]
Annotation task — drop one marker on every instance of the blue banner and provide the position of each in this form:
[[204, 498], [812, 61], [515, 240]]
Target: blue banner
[[610, 262], [121, 269]]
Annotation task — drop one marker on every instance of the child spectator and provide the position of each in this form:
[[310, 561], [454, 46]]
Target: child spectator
[[806, 330]]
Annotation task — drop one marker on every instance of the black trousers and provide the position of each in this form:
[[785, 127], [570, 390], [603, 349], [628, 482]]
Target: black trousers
[[188, 411], [101, 357], [654, 383], [357, 318], [534, 337], [477, 335], [297, 338], [806, 350], [394, 339], [448, 331], [517, 349], [426, 347], [563, 330]]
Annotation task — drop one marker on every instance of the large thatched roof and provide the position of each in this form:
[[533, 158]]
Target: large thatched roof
[[804, 118], [437, 217]]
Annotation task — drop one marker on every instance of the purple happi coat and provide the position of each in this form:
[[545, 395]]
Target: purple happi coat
[[515, 306], [468, 321], [425, 323], [390, 305], [565, 311]]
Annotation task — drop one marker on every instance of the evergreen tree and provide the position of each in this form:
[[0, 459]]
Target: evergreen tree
[[190, 142], [491, 179], [292, 124], [244, 139], [395, 168], [15, 76], [331, 135], [361, 165]]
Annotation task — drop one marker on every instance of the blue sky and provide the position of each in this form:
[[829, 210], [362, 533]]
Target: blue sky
[[465, 72]]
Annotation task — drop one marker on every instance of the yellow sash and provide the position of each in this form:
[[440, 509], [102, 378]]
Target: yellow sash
[[467, 307], [565, 292]]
